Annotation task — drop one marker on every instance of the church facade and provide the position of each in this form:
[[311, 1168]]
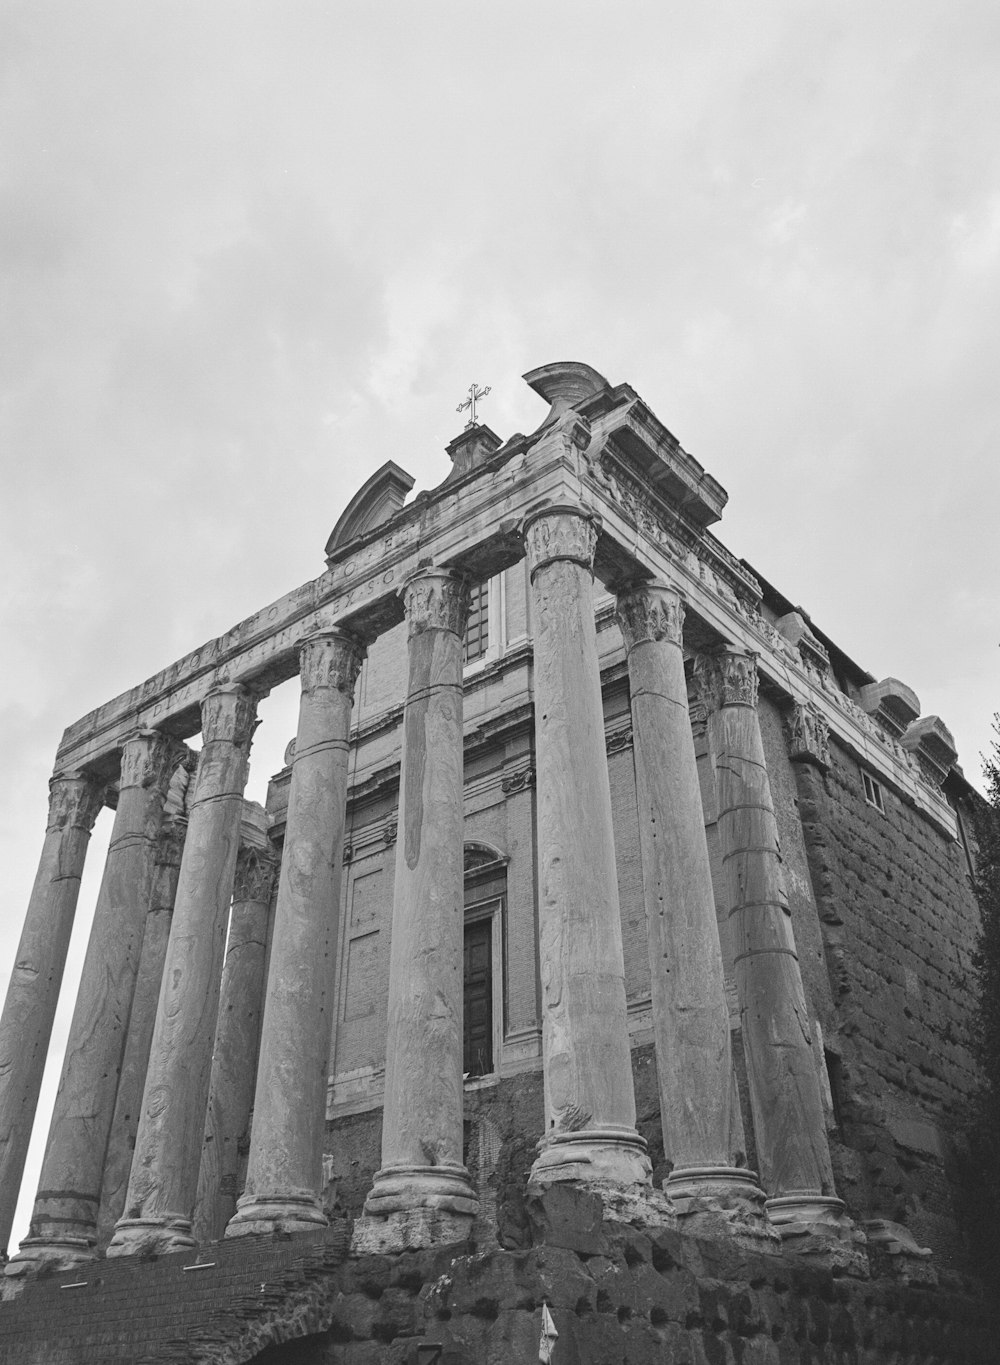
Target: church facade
[[599, 884]]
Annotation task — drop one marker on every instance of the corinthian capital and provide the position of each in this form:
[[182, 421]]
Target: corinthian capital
[[332, 659], [649, 612], [560, 533], [75, 801], [229, 712], [436, 599], [255, 872], [727, 678], [149, 758]]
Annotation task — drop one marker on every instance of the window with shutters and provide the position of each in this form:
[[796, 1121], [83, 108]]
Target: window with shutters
[[485, 896]]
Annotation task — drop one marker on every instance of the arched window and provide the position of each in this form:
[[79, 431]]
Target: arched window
[[485, 909]]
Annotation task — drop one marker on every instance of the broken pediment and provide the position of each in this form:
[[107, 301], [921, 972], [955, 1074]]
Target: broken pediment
[[378, 499]]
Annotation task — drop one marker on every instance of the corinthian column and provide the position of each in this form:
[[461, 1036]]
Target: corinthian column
[[589, 1099], [285, 1172], [33, 993], [64, 1220], [164, 1177], [702, 1127], [237, 1037], [422, 1121], [785, 1094], [128, 1100]]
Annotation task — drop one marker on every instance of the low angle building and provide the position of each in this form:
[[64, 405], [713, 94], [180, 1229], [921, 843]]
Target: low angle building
[[605, 944]]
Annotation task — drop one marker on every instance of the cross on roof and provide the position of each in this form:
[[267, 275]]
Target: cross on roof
[[475, 393]]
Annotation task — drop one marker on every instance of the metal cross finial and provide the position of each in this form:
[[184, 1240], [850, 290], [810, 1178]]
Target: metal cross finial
[[475, 393]]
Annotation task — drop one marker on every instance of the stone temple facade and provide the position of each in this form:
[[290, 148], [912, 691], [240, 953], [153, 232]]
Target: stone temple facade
[[605, 943]]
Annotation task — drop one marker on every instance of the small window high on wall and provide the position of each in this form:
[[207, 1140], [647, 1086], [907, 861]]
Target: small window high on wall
[[485, 905]]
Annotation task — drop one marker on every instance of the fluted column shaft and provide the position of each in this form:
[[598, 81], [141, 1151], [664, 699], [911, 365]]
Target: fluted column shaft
[[702, 1127], [33, 992], [164, 1177], [237, 1041], [64, 1220], [589, 1096], [285, 1171], [128, 1100], [784, 1085], [422, 1120]]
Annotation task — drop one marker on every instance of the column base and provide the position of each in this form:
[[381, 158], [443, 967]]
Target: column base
[[148, 1237], [276, 1213], [728, 1201], [614, 1156], [50, 1253], [817, 1226], [409, 1230], [399, 1188]]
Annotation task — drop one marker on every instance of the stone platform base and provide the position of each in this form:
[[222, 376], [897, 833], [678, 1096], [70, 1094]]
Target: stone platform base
[[817, 1228], [408, 1230]]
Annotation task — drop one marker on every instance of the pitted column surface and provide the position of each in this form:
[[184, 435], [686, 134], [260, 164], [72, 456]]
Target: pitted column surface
[[33, 993], [128, 1101], [589, 1099], [284, 1176], [422, 1121], [237, 1039], [702, 1127], [785, 1094], [163, 1182], [64, 1219]]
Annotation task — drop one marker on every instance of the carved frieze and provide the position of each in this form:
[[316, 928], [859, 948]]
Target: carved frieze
[[809, 736], [617, 740], [649, 612], [561, 533], [727, 678], [332, 659], [229, 712], [435, 599], [256, 869], [75, 801]]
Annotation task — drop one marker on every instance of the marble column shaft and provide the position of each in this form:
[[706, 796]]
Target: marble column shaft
[[33, 993], [285, 1171], [422, 1119], [785, 1094], [164, 1178], [589, 1096], [64, 1219], [128, 1100], [702, 1127], [237, 1042]]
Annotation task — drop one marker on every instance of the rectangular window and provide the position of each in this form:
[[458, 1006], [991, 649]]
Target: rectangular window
[[477, 1057], [873, 792], [477, 632]]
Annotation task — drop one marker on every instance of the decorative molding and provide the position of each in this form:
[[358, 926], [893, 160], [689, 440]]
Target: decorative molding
[[520, 781], [650, 612], [560, 533], [75, 801], [617, 740], [436, 599], [390, 832], [229, 713], [331, 659], [809, 736], [728, 678]]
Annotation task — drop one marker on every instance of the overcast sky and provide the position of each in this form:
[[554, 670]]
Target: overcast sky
[[250, 251]]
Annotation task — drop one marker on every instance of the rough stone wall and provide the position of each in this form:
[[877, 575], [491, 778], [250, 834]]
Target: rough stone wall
[[899, 923], [619, 1295]]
